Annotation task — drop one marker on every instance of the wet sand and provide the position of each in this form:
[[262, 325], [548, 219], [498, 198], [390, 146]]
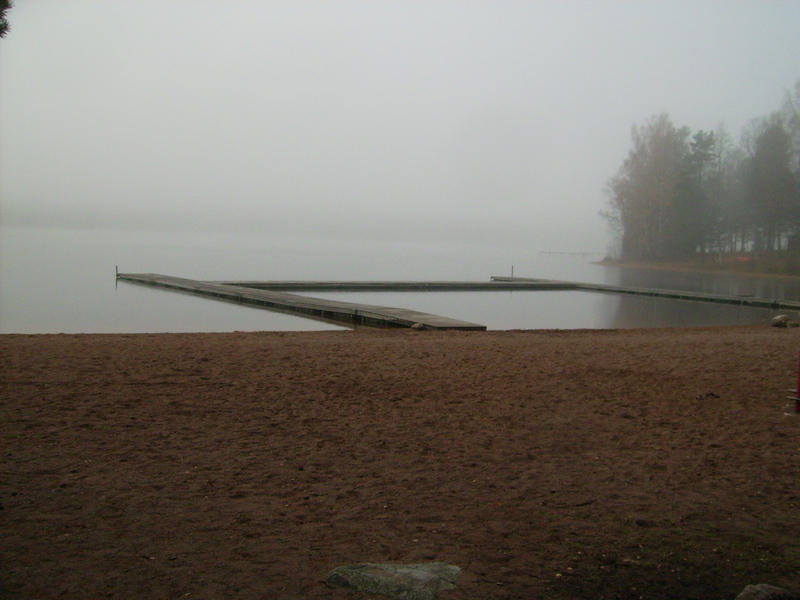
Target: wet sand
[[552, 464]]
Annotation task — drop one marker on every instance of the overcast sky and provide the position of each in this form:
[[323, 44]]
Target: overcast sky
[[478, 121]]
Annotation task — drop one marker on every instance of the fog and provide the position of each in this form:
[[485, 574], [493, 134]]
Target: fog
[[444, 120]]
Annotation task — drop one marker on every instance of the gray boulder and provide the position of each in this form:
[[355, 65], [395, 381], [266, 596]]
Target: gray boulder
[[783, 321], [764, 591], [398, 581]]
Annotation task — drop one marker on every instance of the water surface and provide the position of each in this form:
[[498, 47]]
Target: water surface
[[62, 280]]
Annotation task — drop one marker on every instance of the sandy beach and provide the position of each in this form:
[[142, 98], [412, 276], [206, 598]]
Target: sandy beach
[[546, 464]]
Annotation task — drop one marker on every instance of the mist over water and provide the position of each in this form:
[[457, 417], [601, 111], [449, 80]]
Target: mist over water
[[454, 122], [351, 140], [62, 280]]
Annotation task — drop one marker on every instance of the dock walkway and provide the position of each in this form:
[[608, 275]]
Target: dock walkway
[[405, 286], [326, 310]]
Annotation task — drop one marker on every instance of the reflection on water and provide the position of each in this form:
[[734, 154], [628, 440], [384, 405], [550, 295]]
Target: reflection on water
[[54, 280], [562, 309], [645, 311], [724, 284], [639, 311]]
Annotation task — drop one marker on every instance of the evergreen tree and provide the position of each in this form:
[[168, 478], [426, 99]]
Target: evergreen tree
[[771, 186], [691, 211]]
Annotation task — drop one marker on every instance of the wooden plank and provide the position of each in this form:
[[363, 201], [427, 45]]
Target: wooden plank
[[329, 310]]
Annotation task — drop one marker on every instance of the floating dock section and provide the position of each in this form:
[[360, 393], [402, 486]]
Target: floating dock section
[[317, 308], [405, 286], [658, 293]]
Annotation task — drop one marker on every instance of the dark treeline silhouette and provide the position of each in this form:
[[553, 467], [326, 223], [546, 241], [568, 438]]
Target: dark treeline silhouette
[[683, 195]]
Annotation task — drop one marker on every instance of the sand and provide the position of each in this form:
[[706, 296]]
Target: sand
[[548, 464]]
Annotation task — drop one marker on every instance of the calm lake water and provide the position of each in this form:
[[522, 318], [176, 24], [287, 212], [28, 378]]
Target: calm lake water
[[61, 280]]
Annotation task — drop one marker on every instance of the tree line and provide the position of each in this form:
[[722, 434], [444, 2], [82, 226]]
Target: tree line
[[4, 6], [682, 195]]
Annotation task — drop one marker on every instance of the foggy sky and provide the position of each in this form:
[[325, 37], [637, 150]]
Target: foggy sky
[[476, 121]]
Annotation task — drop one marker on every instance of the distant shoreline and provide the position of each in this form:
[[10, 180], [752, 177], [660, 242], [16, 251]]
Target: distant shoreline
[[688, 267]]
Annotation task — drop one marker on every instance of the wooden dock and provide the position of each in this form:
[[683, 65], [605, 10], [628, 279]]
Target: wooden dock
[[505, 283], [274, 295], [659, 293], [316, 308]]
